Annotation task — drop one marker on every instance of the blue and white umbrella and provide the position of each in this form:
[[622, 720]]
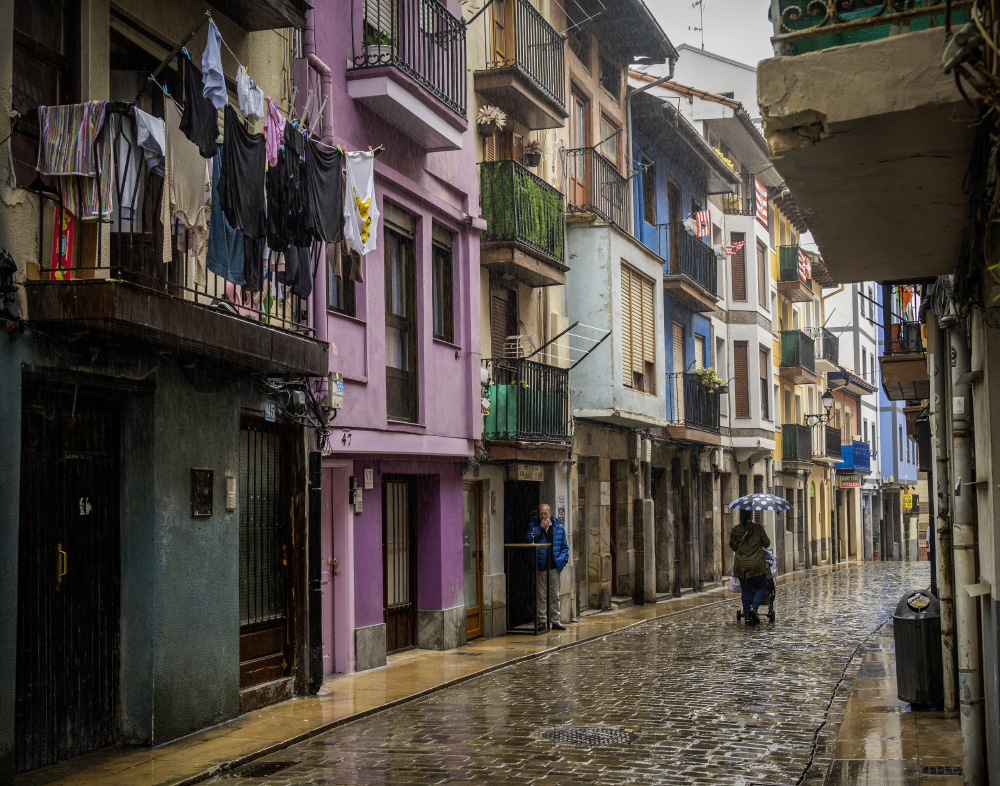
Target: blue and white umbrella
[[759, 502]]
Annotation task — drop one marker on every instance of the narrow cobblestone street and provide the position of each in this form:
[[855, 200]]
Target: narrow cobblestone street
[[701, 699]]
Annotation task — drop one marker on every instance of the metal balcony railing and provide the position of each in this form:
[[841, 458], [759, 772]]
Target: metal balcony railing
[[520, 207], [687, 255], [904, 338], [741, 203], [539, 50], [133, 250], [796, 443], [854, 455], [529, 401], [420, 38], [826, 441], [788, 265], [797, 350], [596, 186], [825, 344], [691, 404]]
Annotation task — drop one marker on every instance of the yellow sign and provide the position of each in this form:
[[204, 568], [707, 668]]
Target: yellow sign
[[908, 501]]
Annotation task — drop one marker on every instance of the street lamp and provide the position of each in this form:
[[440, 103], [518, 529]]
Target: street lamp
[[827, 400]]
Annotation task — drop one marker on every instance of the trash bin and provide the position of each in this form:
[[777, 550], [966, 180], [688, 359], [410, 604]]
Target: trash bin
[[916, 626]]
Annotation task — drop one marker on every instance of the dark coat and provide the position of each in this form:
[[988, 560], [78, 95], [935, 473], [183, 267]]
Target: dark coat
[[556, 536], [748, 543]]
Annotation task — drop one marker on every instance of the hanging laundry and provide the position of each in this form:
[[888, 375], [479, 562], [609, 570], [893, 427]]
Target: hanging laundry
[[150, 136], [294, 140], [211, 61], [63, 244], [183, 191], [360, 210], [253, 263], [241, 184], [250, 96], [75, 147], [274, 131], [200, 122], [324, 192], [225, 244], [345, 262], [298, 276], [127, 195], [286, 213], [335, 260]]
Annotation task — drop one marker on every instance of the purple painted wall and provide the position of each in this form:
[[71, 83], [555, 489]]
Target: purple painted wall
[[433, 187], [439, 536]]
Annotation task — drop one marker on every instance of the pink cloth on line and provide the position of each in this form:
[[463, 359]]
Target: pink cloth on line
[[274, 132]]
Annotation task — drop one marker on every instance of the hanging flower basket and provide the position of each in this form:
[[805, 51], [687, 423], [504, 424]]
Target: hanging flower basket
[[488, 128], [490, 119], [532, 159]]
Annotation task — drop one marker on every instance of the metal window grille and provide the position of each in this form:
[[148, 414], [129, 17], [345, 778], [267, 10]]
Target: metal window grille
[[261, 525]]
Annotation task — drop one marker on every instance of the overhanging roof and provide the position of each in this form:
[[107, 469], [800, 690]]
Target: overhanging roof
[[628, 28], [254, 15]]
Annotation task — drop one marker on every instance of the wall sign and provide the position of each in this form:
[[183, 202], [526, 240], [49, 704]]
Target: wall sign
[[907, 501], [605, 492], [850, 481], [270, 411], [369, 479], [533, 472]]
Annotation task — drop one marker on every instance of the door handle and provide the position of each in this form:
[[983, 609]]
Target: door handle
[[62, 563]]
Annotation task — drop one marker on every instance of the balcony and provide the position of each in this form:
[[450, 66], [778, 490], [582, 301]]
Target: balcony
[[855, 456], [526, 75], [793, 281], [691, 271], [595, 186], [529, 402], [826, 347], [121, 288], [796, 444], [408, 60], [692, 410], [798, 358], [741, 203], [904, 364], [525, 234], [826, 443]]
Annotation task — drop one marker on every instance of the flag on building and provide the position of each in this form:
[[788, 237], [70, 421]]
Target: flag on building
[[732, 248], [805, 266], [760, 201], [703, 221]]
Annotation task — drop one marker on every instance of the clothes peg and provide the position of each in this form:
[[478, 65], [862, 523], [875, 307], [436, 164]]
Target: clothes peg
[[185, 51]]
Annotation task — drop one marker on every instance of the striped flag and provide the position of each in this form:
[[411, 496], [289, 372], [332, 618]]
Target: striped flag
[[703, 221], [760, 201], [732, 248], [805, 266]]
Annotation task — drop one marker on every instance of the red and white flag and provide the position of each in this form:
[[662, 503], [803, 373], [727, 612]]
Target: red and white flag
[[805, 266], [760, 201], [732, 248], [703, 222]]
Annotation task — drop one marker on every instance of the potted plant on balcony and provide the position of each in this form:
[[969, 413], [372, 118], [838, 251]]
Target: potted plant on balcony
[[379, 47], [707, 378], [490, 119], [531, 155]]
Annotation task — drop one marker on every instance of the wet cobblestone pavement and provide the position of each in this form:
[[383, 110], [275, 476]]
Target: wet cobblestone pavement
[[705, 700]]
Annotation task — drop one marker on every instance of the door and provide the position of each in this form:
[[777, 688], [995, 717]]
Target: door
[[678, 349], [400, 328], [399, 563], [503, 318], [674, 211], [472, 559], [265, 553], [69, 579], [579, 134]]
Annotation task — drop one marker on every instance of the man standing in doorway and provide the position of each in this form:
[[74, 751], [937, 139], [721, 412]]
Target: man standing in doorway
[[551, 561]]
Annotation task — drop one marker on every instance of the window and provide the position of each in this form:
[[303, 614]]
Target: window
[[909, 456], [782, 233], [444, 304], [503, 316], [638, 331], [871, 306], [577, 38], [400, 326], [739, 269], [762, 275], [609, 139], [611, 78], [900, 443], [716, 235], [648, 190], [765, 369], [772, 227], [340, 295], [861, 300], [865, 422], [695, 207], [742, 382]]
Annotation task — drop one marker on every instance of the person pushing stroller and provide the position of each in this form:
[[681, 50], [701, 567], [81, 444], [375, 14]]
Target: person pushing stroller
[[748, 541]]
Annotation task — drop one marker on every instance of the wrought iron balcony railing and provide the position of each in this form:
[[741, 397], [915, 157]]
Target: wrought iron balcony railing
[[596, 186], [797, 350], [529, 401], [854, 455], [420, 38], [691, 404], [538, 49], [826, 441], [796, 443], [741, 203], [687, 255], [826, 345], [808, 25], [904, 338], [520, 207]]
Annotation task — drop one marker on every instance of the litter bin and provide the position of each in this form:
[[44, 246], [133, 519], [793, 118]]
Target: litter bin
[[916, 626]]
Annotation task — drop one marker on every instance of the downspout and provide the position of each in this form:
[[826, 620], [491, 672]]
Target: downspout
[[628, 134], [318, 305]]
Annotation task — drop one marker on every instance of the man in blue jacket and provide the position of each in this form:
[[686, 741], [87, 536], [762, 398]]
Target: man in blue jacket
[[551, 561]]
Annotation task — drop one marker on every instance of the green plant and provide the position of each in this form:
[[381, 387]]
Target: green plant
[[378, 38], [728, 161], [708, 377], [491, 114], [518, 205], [533, 146]]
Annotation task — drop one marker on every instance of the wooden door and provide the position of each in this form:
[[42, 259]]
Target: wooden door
[[472, 559], [265, 553], [503, 317], [674, 211], [69, 579], [503, 17], [579, 136], [399, 562]]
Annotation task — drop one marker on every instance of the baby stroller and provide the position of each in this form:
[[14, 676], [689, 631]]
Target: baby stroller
[[772, 586]]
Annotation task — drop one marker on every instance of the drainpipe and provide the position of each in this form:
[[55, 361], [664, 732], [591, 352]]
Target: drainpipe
[[628, 133], [970, 697], [318, 305]]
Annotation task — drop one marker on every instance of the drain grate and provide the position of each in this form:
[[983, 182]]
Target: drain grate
[[941, 770], [594, 735], [260, 769], [468, 654]]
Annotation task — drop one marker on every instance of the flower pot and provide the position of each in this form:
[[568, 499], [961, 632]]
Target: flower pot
[[722, 390], [379, 54], [692, 377], [532, 159], [488, 129]]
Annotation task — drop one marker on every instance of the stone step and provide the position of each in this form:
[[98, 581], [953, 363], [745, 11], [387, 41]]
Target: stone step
[[618, 604]]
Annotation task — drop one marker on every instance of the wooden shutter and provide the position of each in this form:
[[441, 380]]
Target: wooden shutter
[[648, 323], [699, 351], [490, 148], [762, 275], [503, 315], [637, 342], [517, 148], [741, 367], [739, 267], [678, 347], [626, 326]]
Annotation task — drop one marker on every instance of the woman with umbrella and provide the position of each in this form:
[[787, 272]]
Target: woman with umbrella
[[748, 541]]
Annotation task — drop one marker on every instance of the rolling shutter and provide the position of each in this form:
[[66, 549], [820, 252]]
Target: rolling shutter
[[678, 342], [742, 373], [762, 275], [699, 351], [648, 327], [739, 267], [626, 326]]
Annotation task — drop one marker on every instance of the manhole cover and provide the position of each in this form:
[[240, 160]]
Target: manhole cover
[[941, 770], [260, 769], [591, 736]]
